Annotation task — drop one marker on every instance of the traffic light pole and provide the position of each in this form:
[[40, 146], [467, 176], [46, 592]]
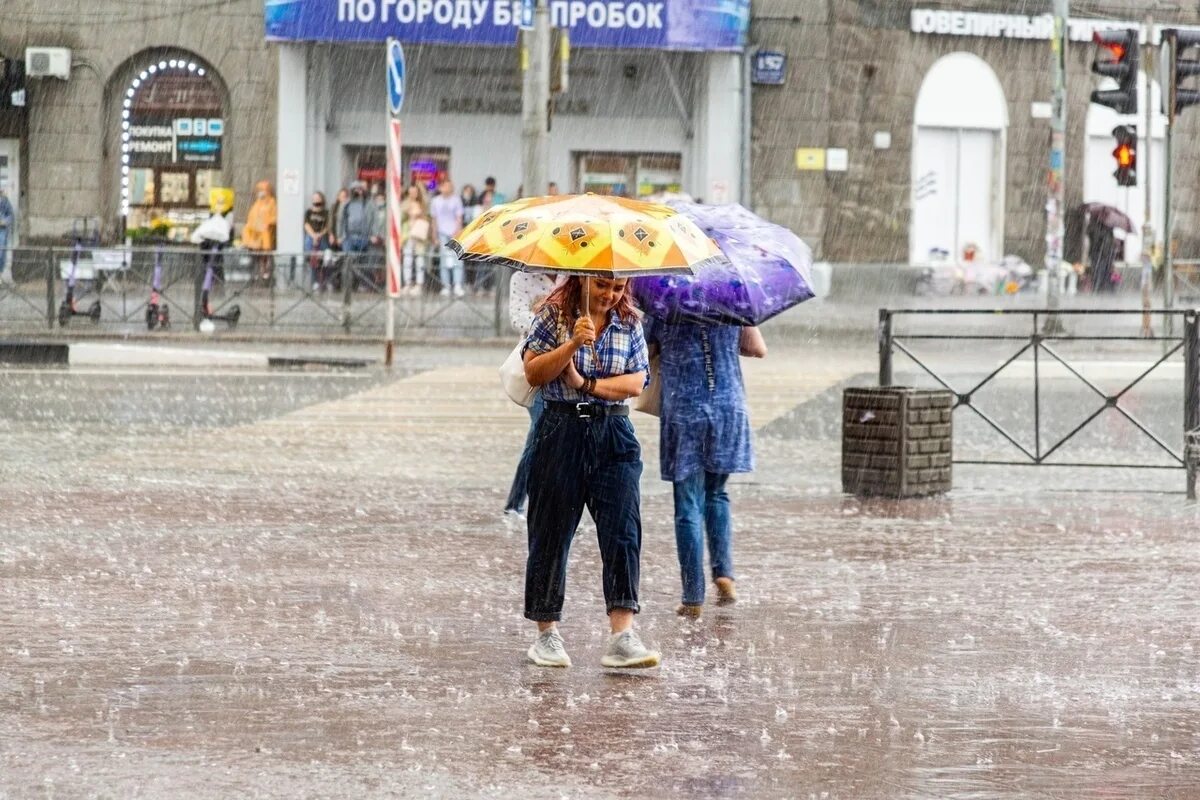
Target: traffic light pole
[[1056, 199], [1148, 225], [1168, 217]]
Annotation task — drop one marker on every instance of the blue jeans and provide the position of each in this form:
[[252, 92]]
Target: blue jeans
[[449, 263], [702, 503], [594, 463], [3, 249], [520, 484]]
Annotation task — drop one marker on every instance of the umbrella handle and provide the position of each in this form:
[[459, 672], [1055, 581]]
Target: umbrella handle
[[587, 309]]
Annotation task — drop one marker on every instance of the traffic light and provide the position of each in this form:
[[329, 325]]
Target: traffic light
[[1183, 68], [1117, 57], [1125, 154]]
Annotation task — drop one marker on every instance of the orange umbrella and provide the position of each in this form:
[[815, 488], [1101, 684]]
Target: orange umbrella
[[587, 234]]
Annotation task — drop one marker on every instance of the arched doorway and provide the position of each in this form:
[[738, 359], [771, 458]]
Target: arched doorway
[[171, 130], [958, 161], [1099, 184]]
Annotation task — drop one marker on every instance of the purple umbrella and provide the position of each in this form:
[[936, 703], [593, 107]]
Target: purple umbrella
[[769, 271]]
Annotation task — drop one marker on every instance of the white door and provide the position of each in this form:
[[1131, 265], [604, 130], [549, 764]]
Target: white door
[[10, 179], [954, 193]]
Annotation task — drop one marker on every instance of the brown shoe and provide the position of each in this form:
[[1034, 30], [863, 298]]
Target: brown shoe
[[726, 591], [693, 612]]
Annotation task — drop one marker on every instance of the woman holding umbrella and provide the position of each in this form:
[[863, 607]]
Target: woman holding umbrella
[[587, 352], [586, 454], [704, 438]]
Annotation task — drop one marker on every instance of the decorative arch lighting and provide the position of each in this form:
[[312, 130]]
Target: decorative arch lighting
[[150, 70]]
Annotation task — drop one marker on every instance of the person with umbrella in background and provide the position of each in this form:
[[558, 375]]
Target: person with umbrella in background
[[1103, 245], [698, 327], [587, 353]]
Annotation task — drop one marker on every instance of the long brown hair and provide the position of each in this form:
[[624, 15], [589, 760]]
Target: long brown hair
[[568, 301]]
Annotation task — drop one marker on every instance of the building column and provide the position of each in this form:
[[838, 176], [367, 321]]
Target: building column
[[291, 146], [717, 149]]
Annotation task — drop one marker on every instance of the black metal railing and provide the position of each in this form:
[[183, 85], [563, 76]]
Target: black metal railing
[[1043, 344], [317, 293]]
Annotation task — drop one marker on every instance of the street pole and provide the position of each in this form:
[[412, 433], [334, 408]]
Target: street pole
[[535, 112], [535, 101], [1056, 197], [1168, 217], [1147, 225]]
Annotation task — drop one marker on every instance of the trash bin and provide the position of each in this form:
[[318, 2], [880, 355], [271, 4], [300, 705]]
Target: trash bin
[[896, 441]]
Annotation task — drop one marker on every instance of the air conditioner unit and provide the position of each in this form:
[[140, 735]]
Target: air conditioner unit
[[48, 62]]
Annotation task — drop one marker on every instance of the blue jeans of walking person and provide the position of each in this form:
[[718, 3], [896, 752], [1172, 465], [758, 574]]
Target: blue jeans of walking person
[[593, 463], [520, 484], [702, 505]]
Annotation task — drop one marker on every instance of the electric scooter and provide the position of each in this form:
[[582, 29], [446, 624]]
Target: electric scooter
[[70, 307], [157, 313], [212, 253]]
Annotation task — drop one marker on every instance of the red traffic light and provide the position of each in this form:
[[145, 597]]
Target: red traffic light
[[1116, 48]]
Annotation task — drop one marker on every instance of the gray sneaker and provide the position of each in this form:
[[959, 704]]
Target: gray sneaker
[[625, 649], [548, 650]]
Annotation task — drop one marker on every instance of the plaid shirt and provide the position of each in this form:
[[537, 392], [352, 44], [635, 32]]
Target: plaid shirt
[[620, 350]]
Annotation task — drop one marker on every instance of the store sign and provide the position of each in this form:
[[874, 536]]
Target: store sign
[[1007, 26], [652, 24], [184, 141]]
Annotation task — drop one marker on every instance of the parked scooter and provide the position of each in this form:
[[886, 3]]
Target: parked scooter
[[70, 307], [213, 235], [212, 256], [158, 315]]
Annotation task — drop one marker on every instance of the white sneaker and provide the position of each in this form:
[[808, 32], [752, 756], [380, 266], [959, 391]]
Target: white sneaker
[[548, 650], [625, 650], [444, 293], [458, 292]]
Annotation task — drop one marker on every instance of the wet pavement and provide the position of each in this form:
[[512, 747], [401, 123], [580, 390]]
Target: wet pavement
[[269, 584]]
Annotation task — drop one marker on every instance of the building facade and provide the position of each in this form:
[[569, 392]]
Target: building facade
[[654, 100], [158, 103], [942, 107], [894, 129]]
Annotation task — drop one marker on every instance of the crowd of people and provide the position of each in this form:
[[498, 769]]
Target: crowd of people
[[355, 227]]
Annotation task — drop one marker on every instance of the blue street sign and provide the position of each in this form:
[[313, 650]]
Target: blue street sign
[[770, 67], [527, 14], [395, 76]]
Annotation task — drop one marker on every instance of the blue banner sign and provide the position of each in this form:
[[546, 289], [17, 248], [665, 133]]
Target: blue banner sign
[[651, 24]]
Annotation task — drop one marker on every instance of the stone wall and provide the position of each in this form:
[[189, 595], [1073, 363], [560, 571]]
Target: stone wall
[[855, 67], [71, 162]]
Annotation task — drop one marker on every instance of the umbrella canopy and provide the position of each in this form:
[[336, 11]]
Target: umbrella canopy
[[1109, 217], [768, 270], [587, 235]]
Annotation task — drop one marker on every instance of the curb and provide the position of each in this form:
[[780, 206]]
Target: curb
[[99, 354]]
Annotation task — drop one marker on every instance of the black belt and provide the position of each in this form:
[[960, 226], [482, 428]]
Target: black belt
[[583, 410]]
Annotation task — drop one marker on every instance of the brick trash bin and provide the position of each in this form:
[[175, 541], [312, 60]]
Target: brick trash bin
[[896, 441]]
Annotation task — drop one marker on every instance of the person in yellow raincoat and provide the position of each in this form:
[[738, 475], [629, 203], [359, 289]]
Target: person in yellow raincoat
[[259, 232]]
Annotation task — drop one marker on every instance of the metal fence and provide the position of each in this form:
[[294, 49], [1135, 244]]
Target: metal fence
[[1183, 454], [313, 293]]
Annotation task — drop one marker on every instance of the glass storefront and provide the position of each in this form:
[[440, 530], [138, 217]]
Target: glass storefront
[[628, 174], [172, 136]]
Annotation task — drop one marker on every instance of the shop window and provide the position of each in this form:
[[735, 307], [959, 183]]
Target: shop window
[[172, 142], [427, 166], [628, 174]]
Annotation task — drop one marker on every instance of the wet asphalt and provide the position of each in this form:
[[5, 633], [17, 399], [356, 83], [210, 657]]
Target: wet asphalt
[[299, 585]]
